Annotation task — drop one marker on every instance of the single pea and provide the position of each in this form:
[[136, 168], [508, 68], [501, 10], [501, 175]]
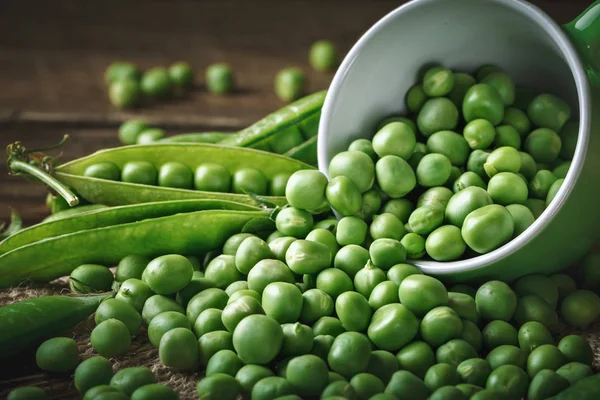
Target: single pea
[[503, 159], [113, 308], [208, 298], [196, 285], [224, 362], [250, 251], [181, 74], [285, 140], [209, 320], [278, 184], [397, 118], [308, 374], [349, 354], [111, 338], [157, 304], [479, 134], [383, 365], [462, 83], [416, 357], [536, 206], [438, 81], [294, 222], [329, 326], [222, 271], [509, 379], [436, 115], [351, 259], [131, 267], [103, 170], [272, 388], [399, 272], [450, 144], [354, 311], [244, 292], [163, 323], [440, 325], [268, 271], [545, 356], [176, 175], [483, 101], [553, 191], [134, 292], [218, 387], [580, 308], [351, 231], [517, 119], [178, 349], [440, 375], [395, 176], [533, 334], [274, 235], [396, 138], [497, 333], [249, 180], [129, 131], [121, 70], [464, 305], [321, 346], [386, 225], [307, 257], [150, 135], [433, 170], [546, 384], [472, 335], [257, 339], [306, 189], [528, 166], [386, 253], [128, 380], [392, 327], [94, 371], [219, 78], [355, 165], [495, 220], [464, 202], [564, 283], [367, 385], [507, 355], [212, 178], [27, 393], [539, 285], [421, 293], [280, 246], [507, 188], [541, 183], [455, 173], [569, 135], [211, 342], [282, 301], [156, 83], [140, 172], [414, 245], [323, 55], [416, 98], [445, 243], [124, 94], [177, 268], [153, 391], [343, 196], [334, 282], [325, 237], [57, 355], [315, 304], [576, 349], [406, 385], [249, 375], [89, 278], [503, 85], [522, 217], [401, 208], [506, 135], [425, 219], [437, 197], [476, 162], [495, 300], [574, 372], [470, 390], [364, 145], [548, 111], [289, 84], [534, 308], [371, 202], [474, 371]]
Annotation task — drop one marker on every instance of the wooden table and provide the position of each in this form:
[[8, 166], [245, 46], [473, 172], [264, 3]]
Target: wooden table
[[53, 56]]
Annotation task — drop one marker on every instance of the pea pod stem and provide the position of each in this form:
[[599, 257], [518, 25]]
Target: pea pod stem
[[62, 190]]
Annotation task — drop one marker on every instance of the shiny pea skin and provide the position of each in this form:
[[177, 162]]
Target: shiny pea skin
[[483, 101], [497, 223], [140, 172], [175, 175], [111, 338], [349, 354], [440, 375], [294, 222], [479, 134], [315, 304], [509, 379], [27, 393], [433, 170], [534, 308], [522, 217], [476, 162], [503, 159], [438, 81], [392, 327], [212, 178], [58, 354], [384, 293], [507, 354], [395, 138], [405, 384], [440, 325], [462, 83], [450, 144], [474, 371], [218, 386], [539, 285], [414, 245], [372, 200], [278, 184], [437, 197], [386, 225], [548, 111], [222, 271], [580, 308], [103, 170], [383, 364], [395, 176], [351, 259], [507, 188], [163, 323], [343, 196], [209, 320], [546, 384], [545, 356], [249, 180], [399, 272], [334, 282], [576, 349], [268, 271], [416, 357], [495, 300], [503, 85], [445, 243], [437, 114], [425, 219], [421, 293], [506, 135], [282, 301], [351, 231], [517, 119], [237, 310], [306, 189], [464, 202], [497, 333], [177, 268], [455, 351], [386, 253], [250, 251], [307, 257], [157, 304], [364, 145], [154, 390], [464, 305], [355, 165], [574, 371], [89, 278], [113, 308], [354, 311]]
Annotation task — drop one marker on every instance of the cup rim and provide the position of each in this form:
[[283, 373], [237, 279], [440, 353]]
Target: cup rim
[[572, 59]]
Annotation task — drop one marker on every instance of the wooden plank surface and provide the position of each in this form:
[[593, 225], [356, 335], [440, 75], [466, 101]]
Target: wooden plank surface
[[53, 56]]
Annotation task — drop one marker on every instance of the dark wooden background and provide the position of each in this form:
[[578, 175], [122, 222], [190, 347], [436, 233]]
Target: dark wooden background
[[53, 55]]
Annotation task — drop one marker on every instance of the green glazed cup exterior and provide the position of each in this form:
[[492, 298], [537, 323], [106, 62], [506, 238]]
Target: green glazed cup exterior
[[463, 35]]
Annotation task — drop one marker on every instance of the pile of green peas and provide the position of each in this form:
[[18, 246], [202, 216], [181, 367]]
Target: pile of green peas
[[471, 167], [210, 177], [299, 315], [128, 85]]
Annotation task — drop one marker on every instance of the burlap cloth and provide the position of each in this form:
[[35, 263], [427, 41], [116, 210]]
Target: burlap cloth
[[143, 353]]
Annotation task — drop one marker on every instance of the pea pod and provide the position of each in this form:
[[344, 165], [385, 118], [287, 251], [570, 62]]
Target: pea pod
[[28, 322], [202, 137], [112, 216], [15, 225], [306, 152], [187, 233], [117, 193], [302, 112], [587, 388], [69, 212]]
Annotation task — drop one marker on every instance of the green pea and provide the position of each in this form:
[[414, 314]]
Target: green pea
[[257, 339], [325, 237], [168, 274], [421, 293], [222, 271], [438, 81], [118, 71], [433, 170], [249, 252], [365, 146], [483, 101], [544, 145], [334, 282], [507, 355], [154, 390], [495, 300], [392, 327], [212, 178], [580, 308], [440, 325], [113, 308], [351, 259], [237, 310], [27, 393], [476, 162], [280, 246], [157, 304], [268, 271], [414, 245], [219, 78], [94, 371], [355, 165], [131, 267], [564, 283], [464, 202], [447, 393], [548, 111], [445, 243], [349, 354], [282, 301], [450, 144], [472, 335], [323, 55], [209, 320], [307, 257], [278, 184], [497, 333], [464, 305], [129, 131], [354, 311], [140, 172], [306, 189], [416, 98], [546, 384], [436, 196], [503, 159], [351, 231], [386, 253], [469, 390], [343, 196], [395, 176], [286, 139], [401, 208], [545, 356], [89, 278], [569, 135], [210, 343], [128, 380], [315, 304], [507, 188], [399, 272], [208, 298], [503, 85], [294, 222], [289, 84], [224, 362], [386, 226], [533, 334], [367, 385], [181, 74], [539, 285], [155, 82], [479, 134], [124, 94], [495, 220], [163, 323], [436, 115], [396, 138], [425, 219], [103, 170], [474, 371], [518, 120], [576, 349], [176, 175], [218, 386], [249, 180], [528, 166], [322, 345], [178, 349], [506, 135], [574, 372], [553, 191], [440, 375], [406, 385], [534, 308], [57, 355], [371, 202], [536, 206], [111, 338], [150, 135], [509, 379], [416, 357], [522, 217], [249, 375], [196, 285]]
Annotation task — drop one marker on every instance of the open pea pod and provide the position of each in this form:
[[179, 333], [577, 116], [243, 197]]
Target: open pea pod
[[303, 114], [192, 154], [112, 216], [186, 233], [306, 152], [201, 137]]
